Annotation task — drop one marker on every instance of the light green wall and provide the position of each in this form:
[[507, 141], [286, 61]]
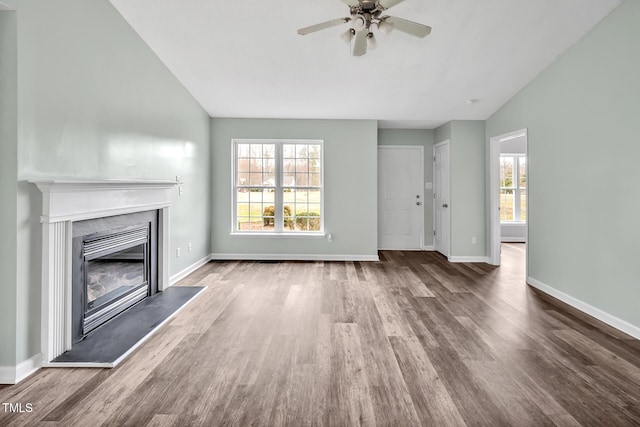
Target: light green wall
[[8, 190], [350, 179], [95, 102], [424, 138], [582, 119], [442, 133], [467, 206], [467, 154]]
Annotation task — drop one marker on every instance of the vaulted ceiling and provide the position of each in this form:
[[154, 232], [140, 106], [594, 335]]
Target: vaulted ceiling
[[245, 59]]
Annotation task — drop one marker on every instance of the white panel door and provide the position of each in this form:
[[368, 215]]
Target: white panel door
[[400, 194], [442, 226]]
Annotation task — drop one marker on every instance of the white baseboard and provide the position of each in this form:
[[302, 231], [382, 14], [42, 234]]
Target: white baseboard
[[468, 259], [187, 271], [293, 257], [15, 374], [429, 248], [592, 311]]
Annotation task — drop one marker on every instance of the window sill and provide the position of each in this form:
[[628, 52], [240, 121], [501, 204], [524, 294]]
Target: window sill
[[315, 235]]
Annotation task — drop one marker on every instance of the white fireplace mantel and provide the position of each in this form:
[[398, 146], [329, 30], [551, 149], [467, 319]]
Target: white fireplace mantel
[[66, 201]]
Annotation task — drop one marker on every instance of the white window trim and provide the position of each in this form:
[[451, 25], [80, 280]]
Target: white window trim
[[278, 202], [516, 190]]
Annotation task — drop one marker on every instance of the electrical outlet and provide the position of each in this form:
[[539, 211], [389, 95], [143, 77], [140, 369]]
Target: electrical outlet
[[177, 252], [474, 240], [189, 247]]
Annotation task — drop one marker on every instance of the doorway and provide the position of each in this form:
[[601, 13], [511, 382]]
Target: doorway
[[441, 198], [400, 197], [509, 201]]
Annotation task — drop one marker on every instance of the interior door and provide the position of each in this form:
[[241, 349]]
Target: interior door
[[400, 197], [442, 217]]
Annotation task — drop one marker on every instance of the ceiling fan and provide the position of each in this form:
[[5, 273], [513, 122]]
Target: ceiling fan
[[364, 15]]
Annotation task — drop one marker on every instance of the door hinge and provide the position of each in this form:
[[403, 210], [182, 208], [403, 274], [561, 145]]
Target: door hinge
[[434, 232]]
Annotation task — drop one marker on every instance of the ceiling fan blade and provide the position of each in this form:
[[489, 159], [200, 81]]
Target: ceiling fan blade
[[360, 44], [352, 3], [409, 27], [322, 26], [389, 3]]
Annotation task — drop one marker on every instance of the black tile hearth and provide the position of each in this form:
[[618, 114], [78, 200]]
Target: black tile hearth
[[108, 344]]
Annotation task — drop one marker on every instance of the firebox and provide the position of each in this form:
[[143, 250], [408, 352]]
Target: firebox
[[114, 268]]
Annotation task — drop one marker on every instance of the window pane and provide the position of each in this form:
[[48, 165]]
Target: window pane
[[302, 179], [243, 165], [522, 172], [314, 151], [506, 171], [242, 210], [288, 196], [243, 150], [268, 218], [269, 165], [506, 205], [301, 196], [315, 180], [268, 195], [244, 224], [288, 151], [289, 180], [314, 209], [302, 224], [302, 165], [523, 205], [314, 222], [289, 218], [314, 165], [255, 179], [256, 165], [315, 197], [269, 151], [256, 150], [302, 151], [243, 179]]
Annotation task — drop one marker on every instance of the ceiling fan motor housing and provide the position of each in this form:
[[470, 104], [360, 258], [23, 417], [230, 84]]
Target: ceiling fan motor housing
[[359, 22]]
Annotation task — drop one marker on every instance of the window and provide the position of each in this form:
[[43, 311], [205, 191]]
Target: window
[[513, 188], [277, 186]]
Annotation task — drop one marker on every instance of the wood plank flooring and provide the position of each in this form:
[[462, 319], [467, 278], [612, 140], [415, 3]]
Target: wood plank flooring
[[411, 340]]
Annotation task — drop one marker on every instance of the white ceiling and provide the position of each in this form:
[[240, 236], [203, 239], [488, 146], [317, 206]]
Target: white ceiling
[[245, 59]]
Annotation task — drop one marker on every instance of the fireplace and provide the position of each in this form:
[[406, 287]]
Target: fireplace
[[114, 267], [76, 216]]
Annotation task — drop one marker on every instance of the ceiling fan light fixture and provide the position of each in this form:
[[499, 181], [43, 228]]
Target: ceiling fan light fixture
[[372, 43], [347, 36], [385, 27]]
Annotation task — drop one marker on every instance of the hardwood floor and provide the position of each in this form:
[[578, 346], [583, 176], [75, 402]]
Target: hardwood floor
[[409, 340]]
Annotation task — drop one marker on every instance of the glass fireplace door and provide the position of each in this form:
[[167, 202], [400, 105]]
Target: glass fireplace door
[[116, 270]]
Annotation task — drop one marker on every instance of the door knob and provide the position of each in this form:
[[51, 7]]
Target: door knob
[[445, 205]]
